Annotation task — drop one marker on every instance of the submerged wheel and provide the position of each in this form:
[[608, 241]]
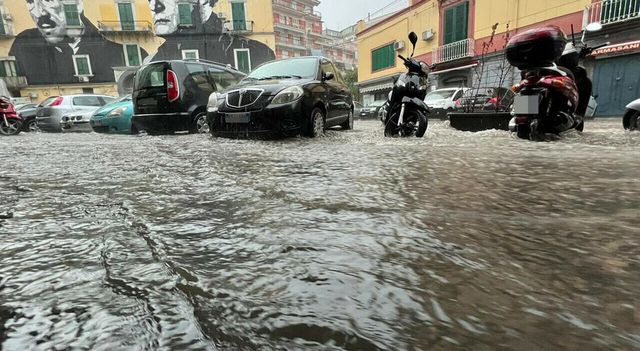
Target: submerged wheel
[[631, 120], [200, 125], [32, 127], [348, 124], [316, 123], [580, 126], [391, 128], [12, 127], [423, 123]]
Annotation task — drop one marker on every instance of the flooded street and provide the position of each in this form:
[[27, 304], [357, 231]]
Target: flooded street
[[469, 241]]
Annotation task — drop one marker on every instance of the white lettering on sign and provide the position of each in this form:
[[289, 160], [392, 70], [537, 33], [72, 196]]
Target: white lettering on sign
[[622, 47]]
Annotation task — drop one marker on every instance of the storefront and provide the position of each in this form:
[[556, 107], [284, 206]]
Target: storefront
[[376, 89]]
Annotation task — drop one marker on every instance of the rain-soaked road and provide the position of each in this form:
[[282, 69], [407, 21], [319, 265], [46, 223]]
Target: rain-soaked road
[[352, 241]]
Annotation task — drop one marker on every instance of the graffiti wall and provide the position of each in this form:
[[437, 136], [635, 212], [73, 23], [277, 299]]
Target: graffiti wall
[[89, 42]]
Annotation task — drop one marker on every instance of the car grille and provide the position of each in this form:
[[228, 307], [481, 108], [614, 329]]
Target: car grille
[[243, 97]]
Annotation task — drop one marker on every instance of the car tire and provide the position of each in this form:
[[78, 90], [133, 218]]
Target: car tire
[[199, 124], [316, 123], [348, 124], [31, 127], [631, 120], [134, 130]]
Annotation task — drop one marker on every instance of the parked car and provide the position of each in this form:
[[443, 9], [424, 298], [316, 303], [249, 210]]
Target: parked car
[[443, 101], [114, 118], [171, 96], [28, 114], [486, 100], [371, 111], [357, 106], [302, 95], [50, 112], [76, 121]]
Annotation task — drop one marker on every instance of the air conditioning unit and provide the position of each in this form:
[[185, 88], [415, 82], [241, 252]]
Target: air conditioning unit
[[83, 79], [399, 45], [427, 35]]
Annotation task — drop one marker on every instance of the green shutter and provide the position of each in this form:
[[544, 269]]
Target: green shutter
[[184, 14], [2, 30], [3, 71], [83, 66], [126, 16], [462, 23], [383, 57], [238, 15], [133, 55], [449, 26], [71, 14], [456, 23], [243, 61]]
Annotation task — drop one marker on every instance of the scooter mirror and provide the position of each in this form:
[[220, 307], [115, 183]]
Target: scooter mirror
[[413, 38]]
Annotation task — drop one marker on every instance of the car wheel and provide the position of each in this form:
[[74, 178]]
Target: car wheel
[[32, 127], [316, 123], [631, 120], [200, 125], [134, 130], [348, 124]]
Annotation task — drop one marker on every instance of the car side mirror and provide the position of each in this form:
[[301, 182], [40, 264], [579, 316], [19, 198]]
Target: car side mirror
[[327, 76]]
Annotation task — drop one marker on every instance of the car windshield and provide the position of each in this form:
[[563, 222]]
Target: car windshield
[[125, 98], [293, 68], [439, 95]]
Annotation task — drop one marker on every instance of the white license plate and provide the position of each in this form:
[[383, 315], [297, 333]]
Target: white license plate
[[244, 117], [526, 105]]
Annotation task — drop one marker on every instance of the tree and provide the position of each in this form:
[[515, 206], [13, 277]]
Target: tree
[[351, 78]]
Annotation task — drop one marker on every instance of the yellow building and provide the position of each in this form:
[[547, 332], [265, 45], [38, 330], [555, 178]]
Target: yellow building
[[58, 47], [453, 34]]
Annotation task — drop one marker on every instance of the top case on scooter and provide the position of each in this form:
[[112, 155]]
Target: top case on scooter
[[538, 47]]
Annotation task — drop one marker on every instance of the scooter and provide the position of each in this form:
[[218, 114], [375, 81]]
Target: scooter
[[555, 91], [631, 118], [10, 121], [405, 113]]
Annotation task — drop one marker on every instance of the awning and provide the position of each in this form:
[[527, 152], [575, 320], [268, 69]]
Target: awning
[[618, 48], [377, 87], [453, 69]]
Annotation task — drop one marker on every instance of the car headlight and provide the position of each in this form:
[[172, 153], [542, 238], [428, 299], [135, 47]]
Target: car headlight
[[212, 104], [117, 112], [288, 95]]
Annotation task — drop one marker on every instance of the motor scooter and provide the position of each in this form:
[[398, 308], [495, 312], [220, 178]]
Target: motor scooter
[[10, 121], [631, 118], [554, 94], [405, 113]]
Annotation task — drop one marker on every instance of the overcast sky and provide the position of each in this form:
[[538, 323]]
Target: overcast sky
[[339, 14]]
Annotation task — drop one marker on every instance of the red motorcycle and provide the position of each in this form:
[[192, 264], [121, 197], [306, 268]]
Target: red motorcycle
[[554, 94], [10, 121]]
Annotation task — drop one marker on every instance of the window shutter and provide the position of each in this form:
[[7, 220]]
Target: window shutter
[[133, 56], [462, 21], [126, 16], [238, 15], [71, 14], [184, 14], [3, 71], [2, 30], [449, 26], [83, 66]]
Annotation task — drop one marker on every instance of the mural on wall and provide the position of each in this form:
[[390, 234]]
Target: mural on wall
[[204, 33], [45, 54]]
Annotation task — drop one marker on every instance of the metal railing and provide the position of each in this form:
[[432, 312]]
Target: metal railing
[[611, 11], [239, 26], [453, 51], [295, 27], [131, 27]]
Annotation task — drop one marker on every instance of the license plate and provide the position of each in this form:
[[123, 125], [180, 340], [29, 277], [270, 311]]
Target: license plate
[[526, 105], [244, 117]]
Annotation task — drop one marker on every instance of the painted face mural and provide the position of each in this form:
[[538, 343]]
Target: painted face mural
[[49, 17], [206, 9], [165, 16]]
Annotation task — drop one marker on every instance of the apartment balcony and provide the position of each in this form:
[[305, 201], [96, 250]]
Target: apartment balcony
[[454, 51], [290, 27], [135, 27], [15, 82], [611, 11], [292, 44], [239, 27]]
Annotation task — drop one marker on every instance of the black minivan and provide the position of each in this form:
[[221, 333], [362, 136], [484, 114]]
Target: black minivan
[[171, 96]]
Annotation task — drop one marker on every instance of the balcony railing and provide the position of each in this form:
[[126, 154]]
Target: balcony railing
[[611, 11], [125, 27], [292, 43], [15, 82], [238, 26], [453, 51], [290, 26]]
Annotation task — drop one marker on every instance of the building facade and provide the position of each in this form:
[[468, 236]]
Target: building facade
[[464, 41], [53, 47]]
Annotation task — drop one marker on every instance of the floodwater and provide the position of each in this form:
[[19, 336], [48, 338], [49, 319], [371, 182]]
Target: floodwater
[[458, 241]]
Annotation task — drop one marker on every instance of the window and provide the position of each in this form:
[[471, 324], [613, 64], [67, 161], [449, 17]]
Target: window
[[150, 76], [383, 57], [126, 16], [456, 23], [198, 79], [87, 90], [184, 14], [238, 15], [243, 60], [82, 64], [86, 101], [71, 14], [190, 54], [327, 67], [8, 69], [3, 31], [132, 54], [223, 79]]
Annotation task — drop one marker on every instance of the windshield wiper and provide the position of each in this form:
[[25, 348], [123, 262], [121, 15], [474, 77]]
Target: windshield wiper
[[280, 77]]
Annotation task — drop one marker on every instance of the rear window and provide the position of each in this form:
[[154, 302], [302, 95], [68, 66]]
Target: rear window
[[151, 76], [86, 101], [48, 101]]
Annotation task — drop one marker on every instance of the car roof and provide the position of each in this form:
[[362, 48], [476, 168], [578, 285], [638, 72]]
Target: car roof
[[221, 65]]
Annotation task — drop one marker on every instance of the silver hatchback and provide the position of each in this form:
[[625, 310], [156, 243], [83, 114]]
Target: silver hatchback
[[52, 110]]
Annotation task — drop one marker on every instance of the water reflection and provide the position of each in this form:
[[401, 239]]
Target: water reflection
[[352, 241]]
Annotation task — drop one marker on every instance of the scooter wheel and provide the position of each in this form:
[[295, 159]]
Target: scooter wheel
[[523, 131]]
